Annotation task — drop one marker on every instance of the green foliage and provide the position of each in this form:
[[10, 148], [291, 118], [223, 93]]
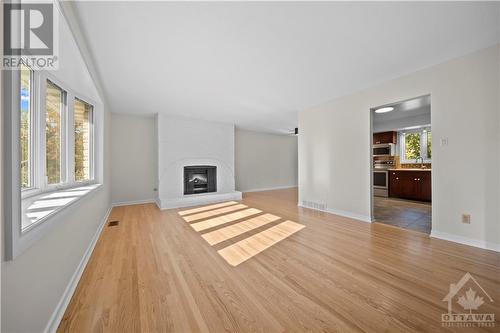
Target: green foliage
[[412, 141], [82, 140], [25, 129], [53, 133], [429, 145], [25, 146]]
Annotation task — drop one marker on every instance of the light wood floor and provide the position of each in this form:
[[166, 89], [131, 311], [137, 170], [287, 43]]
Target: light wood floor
[[269, 266]]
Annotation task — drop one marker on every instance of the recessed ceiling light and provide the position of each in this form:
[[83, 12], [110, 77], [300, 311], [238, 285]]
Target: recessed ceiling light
[[384, 110]]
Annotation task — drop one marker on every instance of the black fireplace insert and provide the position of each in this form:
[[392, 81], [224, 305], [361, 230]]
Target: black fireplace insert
[[200, 179]]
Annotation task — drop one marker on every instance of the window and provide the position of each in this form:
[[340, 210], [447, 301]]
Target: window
[[26, 128], [416, 144], [54, 102], [83, 114], [57, 129], [56, 147], [429, 144]]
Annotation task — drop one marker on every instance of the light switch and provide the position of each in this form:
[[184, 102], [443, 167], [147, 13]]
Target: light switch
[[444, 141]]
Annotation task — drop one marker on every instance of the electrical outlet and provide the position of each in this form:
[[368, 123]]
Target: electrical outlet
[[466, 218]]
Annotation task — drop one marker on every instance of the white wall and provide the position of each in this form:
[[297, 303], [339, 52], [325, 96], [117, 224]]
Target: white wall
[[34, 282], [265, 161], [133, 158], [183, 142], [334, 146]]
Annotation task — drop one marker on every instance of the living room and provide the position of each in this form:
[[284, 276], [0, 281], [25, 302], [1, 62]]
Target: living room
[[211, 166]]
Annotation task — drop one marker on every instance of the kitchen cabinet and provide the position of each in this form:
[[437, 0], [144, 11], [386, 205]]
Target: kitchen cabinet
[[385, 137], [425, 186], [412, 185]]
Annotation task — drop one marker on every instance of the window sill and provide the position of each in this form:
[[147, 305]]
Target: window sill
[[413, 161], [40, 207]]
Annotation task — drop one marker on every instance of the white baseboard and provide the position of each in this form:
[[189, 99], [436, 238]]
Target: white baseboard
[[465, 240], [133, 202], [355, 216], [198, 199], [58, 313], [270, 188]]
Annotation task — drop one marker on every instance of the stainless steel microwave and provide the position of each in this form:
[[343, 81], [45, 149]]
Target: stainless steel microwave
[[384, 149]]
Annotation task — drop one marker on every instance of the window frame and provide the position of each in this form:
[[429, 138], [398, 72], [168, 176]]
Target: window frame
[[91, 142], [18, 235], [33, 140], [40, 182], [64, 140], [423, 130]]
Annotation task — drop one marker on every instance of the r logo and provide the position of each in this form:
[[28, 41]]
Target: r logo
[[28, 29]]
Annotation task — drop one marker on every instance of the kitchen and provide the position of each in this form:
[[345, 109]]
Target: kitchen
[[402, 164]]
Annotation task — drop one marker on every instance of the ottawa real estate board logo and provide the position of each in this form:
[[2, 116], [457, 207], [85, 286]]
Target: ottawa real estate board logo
[[464, 300], [30, 32]]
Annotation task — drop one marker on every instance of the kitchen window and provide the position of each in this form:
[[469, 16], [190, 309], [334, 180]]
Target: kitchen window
[[416, 144]]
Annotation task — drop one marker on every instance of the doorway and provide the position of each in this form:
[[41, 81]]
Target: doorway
[[401, 158]]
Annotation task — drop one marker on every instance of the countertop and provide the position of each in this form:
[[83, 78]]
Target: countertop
[[410, 169]]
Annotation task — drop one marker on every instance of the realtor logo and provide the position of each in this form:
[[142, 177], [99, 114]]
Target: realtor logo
[[468, 295], [29, 35]]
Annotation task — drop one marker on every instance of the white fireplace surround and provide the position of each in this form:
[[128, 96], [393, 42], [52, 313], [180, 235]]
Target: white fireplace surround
[[203, 143]]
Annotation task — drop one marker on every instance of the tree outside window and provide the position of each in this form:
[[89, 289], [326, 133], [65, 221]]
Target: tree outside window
[[416, 144], [412, 146], [53, 133], [429, 144], [83, 122], [25, 129]]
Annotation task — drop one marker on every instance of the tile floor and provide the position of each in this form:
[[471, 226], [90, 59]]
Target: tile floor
[[406, 214]]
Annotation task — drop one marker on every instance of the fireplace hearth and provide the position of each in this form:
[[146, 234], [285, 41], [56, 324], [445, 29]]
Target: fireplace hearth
[[200, 179]]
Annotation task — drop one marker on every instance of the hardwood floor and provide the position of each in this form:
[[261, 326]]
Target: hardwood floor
[[157, 272], [405, 214]]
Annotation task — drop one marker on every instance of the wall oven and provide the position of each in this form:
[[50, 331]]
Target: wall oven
[[384, 149], [381, 183], [381, 177]]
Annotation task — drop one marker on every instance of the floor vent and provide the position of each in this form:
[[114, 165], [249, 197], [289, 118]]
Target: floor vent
[[113, 223], [314, 205]]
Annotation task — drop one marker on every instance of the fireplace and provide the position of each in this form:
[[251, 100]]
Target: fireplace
[[200, 179]]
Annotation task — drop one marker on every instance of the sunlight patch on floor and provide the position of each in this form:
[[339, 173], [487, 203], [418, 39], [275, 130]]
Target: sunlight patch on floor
[[205, 208], [217, 221], [223, 234], [218, 215], [245, 249], [213, 212]]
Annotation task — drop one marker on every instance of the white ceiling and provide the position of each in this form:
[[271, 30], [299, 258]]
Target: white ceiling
[[406, 109], [257, 64]]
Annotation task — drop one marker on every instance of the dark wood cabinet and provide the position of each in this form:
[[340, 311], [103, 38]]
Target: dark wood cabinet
[[426, 187], [385, 137], [412, 185]]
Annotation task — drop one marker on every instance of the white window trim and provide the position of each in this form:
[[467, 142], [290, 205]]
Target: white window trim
[[33, 132], [16, 241], [39, 184], [423, 145], [91, 145]]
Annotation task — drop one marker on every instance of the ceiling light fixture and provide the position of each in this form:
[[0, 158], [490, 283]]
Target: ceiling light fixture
[[384, 110]]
